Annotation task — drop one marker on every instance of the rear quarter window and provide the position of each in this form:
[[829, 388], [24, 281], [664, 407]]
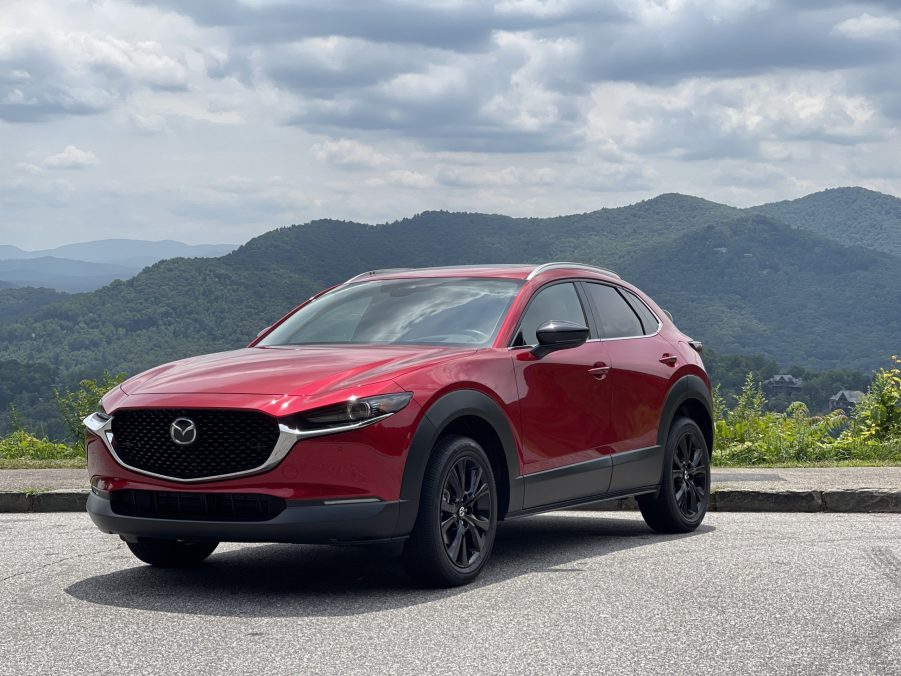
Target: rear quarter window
[[649, 321], [616, 317]]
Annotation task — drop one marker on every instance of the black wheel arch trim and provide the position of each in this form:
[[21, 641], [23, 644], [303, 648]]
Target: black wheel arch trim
[[441, 413], [688, 387]]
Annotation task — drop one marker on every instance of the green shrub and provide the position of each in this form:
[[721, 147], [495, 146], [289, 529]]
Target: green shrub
[[75, 404], [749, 435], [20, 445]]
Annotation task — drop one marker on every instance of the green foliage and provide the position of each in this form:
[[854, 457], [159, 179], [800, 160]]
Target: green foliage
[[748, 434], [741, 283], [847, 215], [26, 398], [77, 403], [20, 445], [16, 303], [877, 418]]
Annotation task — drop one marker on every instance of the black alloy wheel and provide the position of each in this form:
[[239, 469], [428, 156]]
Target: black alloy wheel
[[457, 520], [681, 502], [466, 511], [690, 480]]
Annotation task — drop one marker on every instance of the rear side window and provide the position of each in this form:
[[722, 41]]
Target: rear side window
[[649, 321], [556, 302], [616, 318]]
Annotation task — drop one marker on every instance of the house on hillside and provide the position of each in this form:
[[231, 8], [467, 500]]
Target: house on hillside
[[781, 384], [845, 400]]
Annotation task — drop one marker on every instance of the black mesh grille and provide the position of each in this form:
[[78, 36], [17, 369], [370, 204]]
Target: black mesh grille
[[227, 441], [199, 506]]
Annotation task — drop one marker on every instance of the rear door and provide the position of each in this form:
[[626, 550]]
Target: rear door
[[641, 365], [564, 404]]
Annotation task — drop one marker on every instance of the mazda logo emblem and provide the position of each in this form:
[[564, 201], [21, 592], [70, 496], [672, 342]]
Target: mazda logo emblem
[[183, 431]]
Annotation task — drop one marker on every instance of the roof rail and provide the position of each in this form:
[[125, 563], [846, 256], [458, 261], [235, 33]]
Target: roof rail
[[563, 264], [372, 273]]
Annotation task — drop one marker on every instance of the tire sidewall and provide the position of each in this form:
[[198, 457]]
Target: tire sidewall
[[680, 427], [426, 537]]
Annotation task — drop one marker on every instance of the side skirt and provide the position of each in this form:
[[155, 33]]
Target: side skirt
[[606, 478], [582, 501]]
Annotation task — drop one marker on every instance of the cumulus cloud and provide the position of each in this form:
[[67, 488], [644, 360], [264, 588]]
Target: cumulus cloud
[[71, 158], [246, 114], [867, 26], [347, 152]]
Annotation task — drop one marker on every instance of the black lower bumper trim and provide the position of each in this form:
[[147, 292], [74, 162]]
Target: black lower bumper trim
[[300, 523]]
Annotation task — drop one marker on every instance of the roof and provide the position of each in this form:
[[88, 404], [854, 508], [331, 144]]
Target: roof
[[509, 270], [854, 396], [783, 379]]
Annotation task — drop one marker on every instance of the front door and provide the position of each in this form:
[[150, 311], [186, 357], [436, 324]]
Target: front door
[[564, 405]]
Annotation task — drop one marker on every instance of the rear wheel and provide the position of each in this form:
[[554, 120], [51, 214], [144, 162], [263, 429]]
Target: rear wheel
[[681, 503], [457, 520], [171, 553]]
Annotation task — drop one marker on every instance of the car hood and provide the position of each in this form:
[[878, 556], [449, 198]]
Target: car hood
[[287, 370]]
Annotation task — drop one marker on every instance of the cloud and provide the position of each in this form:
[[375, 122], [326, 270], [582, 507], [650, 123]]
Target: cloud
[[460, 26], [867, 26], [349, 153], [71, 158], [247, 114], [404, 178], [703, 40]]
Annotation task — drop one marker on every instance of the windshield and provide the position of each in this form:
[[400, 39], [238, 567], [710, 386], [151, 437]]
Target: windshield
[[445, 311]]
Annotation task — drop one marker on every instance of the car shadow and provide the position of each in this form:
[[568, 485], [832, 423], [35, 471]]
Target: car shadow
[[307, 581]]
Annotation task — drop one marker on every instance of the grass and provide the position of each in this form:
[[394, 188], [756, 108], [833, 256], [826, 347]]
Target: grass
[[812, 465], [38, 463]]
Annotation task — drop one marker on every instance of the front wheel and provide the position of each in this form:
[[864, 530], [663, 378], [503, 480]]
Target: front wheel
[[681, 503], [171, 553], [457, 520]]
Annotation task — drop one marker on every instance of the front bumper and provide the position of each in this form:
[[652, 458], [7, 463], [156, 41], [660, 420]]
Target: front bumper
[[300, 523]]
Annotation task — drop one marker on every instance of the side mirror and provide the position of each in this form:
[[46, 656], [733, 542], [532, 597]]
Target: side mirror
[[263, 331], [559, 335]]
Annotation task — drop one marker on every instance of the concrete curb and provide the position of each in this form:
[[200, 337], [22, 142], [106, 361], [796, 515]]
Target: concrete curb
[[863, 500], [44, 501]]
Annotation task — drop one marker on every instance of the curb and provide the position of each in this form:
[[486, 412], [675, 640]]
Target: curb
[[863, 500], [47, 501]]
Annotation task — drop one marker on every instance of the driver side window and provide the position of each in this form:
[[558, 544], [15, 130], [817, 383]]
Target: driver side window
[[558, 302]]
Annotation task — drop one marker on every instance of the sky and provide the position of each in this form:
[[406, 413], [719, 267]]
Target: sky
[[217, 120]]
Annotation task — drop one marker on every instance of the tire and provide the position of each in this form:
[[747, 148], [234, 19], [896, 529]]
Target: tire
[[681, 503], [171, 553], [449, 547]]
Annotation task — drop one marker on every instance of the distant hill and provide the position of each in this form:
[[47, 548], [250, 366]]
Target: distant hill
[[16, 303], [62, 274], [848, 215], [90, 265], [129, 252], [739, 281]]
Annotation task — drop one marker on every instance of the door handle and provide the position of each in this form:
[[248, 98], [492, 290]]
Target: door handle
[[669, 359], [599, 370]]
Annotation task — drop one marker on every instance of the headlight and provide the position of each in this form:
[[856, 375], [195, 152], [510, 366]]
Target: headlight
[[352, 413], [101, 412]]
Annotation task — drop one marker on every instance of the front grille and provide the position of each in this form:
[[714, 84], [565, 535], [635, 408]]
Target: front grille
[[196, 506], [227, 441]]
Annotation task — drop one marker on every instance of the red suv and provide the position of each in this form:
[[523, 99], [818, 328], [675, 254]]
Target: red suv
[[414, 406]]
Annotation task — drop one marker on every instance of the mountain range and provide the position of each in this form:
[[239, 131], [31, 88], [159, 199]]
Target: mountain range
[[86, 266], [786, 280]]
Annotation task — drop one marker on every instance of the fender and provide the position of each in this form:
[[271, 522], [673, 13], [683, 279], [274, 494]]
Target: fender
[[440, 414], [686, 388]]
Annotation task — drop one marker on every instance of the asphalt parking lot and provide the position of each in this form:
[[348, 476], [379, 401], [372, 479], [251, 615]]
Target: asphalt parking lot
[[565, 593]]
